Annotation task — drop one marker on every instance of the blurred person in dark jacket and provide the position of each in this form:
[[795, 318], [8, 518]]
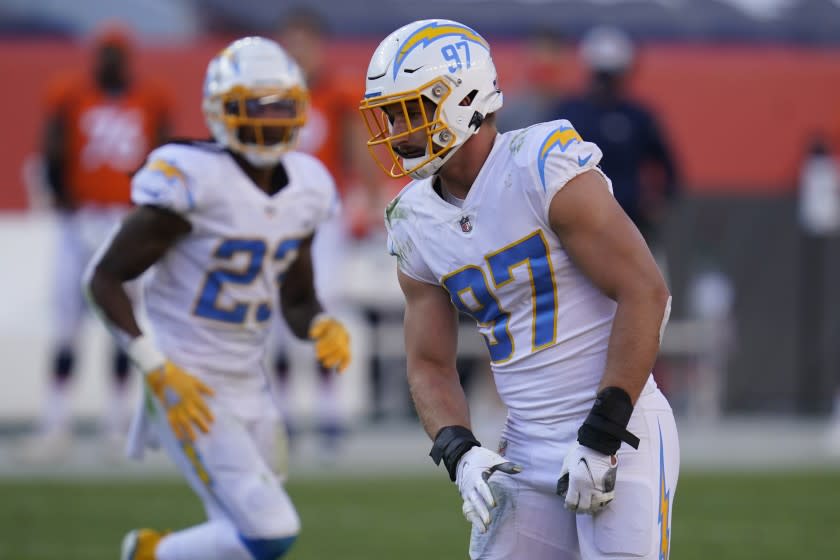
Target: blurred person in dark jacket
[[636, 154]]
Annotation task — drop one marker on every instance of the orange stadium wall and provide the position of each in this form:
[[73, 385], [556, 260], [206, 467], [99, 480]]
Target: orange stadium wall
[[740, 119], [739, 116]]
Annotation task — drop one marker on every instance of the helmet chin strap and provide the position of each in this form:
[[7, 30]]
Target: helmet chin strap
[[435, 164], [423, 172]]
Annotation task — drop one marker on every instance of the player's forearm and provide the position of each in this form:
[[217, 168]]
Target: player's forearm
[[299, 315], [109, 298], [438, 397], [634, 340]]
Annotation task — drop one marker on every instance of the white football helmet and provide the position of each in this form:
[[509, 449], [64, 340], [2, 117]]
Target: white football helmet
[[607, 49], [444, 62], [255, 100]]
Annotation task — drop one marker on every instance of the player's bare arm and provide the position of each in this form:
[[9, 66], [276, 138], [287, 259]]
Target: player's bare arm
[[306, 317], [431, 343], [431, 340], [608, 248], [297, 292], [603, 242], [145, 235]]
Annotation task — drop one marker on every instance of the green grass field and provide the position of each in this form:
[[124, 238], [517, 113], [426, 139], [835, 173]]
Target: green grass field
[[721, 516]]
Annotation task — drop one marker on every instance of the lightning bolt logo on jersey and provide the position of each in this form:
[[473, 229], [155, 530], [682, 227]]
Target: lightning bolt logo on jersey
[[225, 275]]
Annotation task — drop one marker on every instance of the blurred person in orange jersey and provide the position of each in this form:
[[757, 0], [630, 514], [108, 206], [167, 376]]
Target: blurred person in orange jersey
[[332, 134], [101, 123]]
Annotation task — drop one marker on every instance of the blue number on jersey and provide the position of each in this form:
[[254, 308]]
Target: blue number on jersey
[[285, 249], [531, 251], [208, 306], [483, 307]]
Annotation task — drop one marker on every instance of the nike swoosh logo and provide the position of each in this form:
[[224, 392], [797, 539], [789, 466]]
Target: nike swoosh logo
[[584, 161]]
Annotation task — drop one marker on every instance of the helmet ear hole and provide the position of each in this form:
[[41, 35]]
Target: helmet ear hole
[[468, 99]]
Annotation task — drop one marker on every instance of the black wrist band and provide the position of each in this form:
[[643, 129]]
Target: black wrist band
[[606, 426], [450, 444]]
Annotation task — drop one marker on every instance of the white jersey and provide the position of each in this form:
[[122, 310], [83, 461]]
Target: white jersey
[[546, 325], [211, 296]]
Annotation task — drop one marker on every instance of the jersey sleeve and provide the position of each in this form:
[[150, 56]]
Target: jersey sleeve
[[401, 245], [165, 181], [320, 182], [557, 155]]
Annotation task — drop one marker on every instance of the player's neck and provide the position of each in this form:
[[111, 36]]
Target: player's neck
[[459, 173], [263, 177]]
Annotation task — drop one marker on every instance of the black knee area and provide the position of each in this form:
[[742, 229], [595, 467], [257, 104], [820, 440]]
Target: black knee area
[[281, 366], [122, 367], [65, 358], [325, 374]]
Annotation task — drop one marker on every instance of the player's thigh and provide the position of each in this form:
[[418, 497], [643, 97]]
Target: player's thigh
[[245, 484], [227, 469], [525, 524], [637, 523], [70, 262]]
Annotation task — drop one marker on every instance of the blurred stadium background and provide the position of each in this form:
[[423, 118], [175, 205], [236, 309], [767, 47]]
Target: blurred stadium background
[[751, 361]]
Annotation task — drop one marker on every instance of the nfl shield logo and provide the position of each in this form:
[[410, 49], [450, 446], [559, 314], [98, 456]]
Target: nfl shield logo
[[466, 226]]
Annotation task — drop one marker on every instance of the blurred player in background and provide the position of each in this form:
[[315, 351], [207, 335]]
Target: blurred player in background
[[227, 227], [636, 154], [545, 59], [101, 125], [522, 232], [335, 136]]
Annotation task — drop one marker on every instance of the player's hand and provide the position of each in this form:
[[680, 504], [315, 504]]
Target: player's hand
[[474, 470], [332, 342], [182, 396], [587, 479]]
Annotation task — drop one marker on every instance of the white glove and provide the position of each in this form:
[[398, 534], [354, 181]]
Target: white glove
[[474, 469], [587, 479]]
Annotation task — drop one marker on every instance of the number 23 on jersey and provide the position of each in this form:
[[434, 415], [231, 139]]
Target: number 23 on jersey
[[208, 305]]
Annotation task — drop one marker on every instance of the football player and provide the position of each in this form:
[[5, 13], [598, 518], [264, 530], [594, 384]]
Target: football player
[[101, 126], [521, 231], [227, 229]]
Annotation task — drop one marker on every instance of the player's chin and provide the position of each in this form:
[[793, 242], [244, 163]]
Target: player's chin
[[409, 153]]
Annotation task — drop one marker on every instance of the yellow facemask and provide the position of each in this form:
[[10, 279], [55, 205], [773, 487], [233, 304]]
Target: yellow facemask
[[380, 114]]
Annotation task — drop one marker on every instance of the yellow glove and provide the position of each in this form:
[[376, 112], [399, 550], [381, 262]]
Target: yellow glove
[[332, 342], [181, 395]]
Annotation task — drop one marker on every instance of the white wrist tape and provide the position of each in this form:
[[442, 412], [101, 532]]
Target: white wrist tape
[[317, 319], [665, 316], [145, 355]]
